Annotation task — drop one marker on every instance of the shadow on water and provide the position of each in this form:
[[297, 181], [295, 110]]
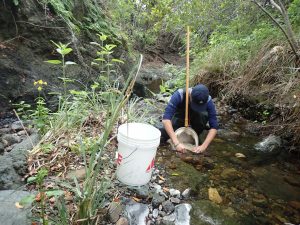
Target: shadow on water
[[258, 189]]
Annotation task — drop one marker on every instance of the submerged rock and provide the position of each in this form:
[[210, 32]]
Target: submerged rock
[[270, 144]]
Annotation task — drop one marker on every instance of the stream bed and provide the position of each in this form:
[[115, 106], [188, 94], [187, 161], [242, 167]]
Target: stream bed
[[260, 188]]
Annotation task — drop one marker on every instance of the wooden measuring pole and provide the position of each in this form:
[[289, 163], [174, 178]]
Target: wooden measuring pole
[[186, 120]]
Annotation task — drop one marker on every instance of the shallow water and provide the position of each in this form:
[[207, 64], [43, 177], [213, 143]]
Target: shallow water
[[259, 189]]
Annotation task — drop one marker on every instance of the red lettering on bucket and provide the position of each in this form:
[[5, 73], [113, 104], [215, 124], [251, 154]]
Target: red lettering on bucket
[[119, 159], [151, 165]]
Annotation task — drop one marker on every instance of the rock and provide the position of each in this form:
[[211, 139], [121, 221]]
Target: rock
[[229, 173], [141, 191], [270, 144], [174, 192], [295, 204], [169, 220], [168, 206], [182, 212], [13, 165], [22, 133], [157, 200], [175, 200], [155, 213], [9, 213], [214, 196], [294, 181], [229, 212], [122, 221], [10, 139], [114, 210], [228, 135], [260, 200], [186, 193], [136, 213], [17, 126], [240, 155], [4, 131], [1, 148]]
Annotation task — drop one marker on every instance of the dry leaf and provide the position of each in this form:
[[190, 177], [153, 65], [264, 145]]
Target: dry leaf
[[39, 196], [166, 189], [136, 199], [162, 178], [17, 204]]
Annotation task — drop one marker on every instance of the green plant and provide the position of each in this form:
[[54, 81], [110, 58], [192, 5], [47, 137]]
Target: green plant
[[23, 109], [104, 59]]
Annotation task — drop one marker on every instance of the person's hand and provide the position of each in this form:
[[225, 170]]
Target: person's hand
[[200, 149], [180, 148]]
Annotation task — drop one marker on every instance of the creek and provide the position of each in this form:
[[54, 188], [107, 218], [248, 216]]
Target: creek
[[261, 188]]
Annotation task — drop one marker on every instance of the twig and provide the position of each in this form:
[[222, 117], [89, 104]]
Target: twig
[[24, 128]]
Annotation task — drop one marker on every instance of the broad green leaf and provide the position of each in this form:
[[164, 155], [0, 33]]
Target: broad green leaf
[[100, 59], [117, 60], [27, 200], [54, 61], [66, 51], [31, 179], [54, 193]]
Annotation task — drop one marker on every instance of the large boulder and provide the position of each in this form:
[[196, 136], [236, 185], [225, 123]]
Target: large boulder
[[13, 165], [9, 213]]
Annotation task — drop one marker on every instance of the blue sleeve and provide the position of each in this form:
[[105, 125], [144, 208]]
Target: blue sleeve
[[172, 106], [212, 115]]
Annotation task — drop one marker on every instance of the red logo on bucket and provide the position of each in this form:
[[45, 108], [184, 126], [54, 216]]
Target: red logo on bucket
[[119, 159], [151, 165]]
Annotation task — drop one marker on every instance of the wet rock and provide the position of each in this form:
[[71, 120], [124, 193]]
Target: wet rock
[[157, 200], [122, 221], [260, 200], [168, 206], [182, 212], [294, 181], [186, 193], [229, 212], [270, 144], [136, 213], [10, 139], [229, 173], [295, 204], [9, 213], [114, 210], [228, 135], [16, 126], [214, 195]]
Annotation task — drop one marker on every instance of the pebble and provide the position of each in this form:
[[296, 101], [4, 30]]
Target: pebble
[[155, 213], [175, 200], [174, 192], [186, 193]]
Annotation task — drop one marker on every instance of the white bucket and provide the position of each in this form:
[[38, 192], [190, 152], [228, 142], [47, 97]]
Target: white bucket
[[137, 147]]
